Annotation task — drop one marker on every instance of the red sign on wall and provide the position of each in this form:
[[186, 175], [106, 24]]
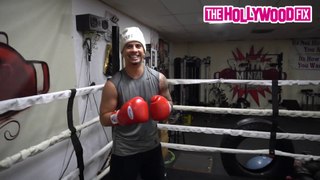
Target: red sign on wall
[[253, 65]]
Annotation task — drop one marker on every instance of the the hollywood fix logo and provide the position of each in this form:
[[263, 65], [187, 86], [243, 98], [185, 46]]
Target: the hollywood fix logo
[[251, 66]]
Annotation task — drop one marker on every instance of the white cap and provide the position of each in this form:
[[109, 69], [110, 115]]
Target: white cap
[[132, 34]]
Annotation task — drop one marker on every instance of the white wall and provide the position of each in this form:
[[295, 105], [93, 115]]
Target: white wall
[[46, 30], [39, 30]]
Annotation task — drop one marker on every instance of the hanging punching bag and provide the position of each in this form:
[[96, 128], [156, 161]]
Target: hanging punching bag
[[20, 78]]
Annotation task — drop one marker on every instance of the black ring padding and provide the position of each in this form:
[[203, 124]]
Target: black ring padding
[[279, 167], [70, 111], [275, 114], [74, 138]]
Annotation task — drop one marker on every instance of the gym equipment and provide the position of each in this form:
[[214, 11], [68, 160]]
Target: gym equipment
[[89, 22], [278, 166], [258, 162], [189, 67]]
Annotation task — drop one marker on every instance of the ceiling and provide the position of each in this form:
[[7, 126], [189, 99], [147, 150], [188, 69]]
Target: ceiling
[[182, 20]]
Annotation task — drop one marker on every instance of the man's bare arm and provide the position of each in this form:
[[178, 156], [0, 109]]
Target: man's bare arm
[[108, 103]]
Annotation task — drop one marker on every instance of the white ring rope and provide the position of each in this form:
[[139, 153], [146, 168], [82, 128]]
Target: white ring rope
[[251, 112], [237, 81], [102, 174], [238, 132], [9, 161], [75, 173], [25, 102], [195, 148], [33, 150]]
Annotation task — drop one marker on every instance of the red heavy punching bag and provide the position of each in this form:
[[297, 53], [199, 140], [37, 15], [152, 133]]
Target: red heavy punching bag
[[20, 78]]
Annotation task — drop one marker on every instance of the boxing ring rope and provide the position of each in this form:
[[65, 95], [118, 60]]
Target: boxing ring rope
[[34, 150], [21, 103], [103, 151], [249, 112], [25, 102], [233, 132], [195, 148], [22, 155], [249, 82]]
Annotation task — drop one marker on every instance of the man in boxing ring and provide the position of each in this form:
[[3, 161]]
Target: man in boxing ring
[[133, 100]]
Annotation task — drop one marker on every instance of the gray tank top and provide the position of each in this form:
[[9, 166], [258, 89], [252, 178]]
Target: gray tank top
[[136, 138]]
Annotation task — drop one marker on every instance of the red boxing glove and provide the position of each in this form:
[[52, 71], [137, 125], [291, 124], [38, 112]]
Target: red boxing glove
[[133, 111], [160, 108]]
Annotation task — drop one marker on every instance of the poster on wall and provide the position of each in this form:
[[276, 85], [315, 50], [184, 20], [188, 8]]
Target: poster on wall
[[252, 65], [308, 54]]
